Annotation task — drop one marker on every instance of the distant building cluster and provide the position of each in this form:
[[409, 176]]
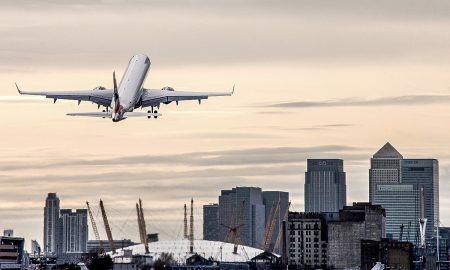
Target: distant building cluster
[[398, 228], [247, 210]]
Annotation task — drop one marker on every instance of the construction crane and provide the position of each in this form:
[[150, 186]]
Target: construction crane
[[234, 232], [142, 227], [94, 227], [138, 212], [275, 210], [185, 223], [107, 228], [401, 232], [191, 228], [280, 232], [262, 245]]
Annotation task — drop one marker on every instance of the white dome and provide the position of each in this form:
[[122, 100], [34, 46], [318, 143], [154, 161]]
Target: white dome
[[179, 249]]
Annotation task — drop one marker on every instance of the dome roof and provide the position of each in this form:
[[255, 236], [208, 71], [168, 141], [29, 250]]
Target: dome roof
[[179, 249]]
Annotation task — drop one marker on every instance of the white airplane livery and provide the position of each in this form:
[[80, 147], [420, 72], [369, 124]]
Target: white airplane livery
[[128, 95]]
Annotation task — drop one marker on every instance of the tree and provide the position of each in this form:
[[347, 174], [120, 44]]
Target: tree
[[164, 262], [101, 263]]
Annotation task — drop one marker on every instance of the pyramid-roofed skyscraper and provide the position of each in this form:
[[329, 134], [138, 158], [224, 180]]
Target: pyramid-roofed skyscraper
[[385, 168]]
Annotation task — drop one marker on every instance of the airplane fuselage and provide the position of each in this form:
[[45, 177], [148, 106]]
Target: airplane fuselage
[[131, 86]]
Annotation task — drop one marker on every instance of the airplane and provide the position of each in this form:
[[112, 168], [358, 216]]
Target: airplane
[[129, 95]]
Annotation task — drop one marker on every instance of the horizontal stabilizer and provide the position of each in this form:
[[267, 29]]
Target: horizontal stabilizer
[[92, 114], [108, 114], [141, 114]]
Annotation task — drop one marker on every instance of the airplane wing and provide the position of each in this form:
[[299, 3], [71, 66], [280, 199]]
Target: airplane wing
[[101, 97], [154, 97]]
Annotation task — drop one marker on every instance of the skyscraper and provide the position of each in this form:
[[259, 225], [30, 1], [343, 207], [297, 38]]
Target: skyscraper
[[248, 200], [272, 200], [325, 187], [423, 174], [73, 231], [211, 222], [51, 216], [408, 189], [385, 168]]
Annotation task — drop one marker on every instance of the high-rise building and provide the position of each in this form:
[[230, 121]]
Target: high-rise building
[[211, 222], [423, 175], [385, 168], [73, 231], [273, 200], [51, 216], [248, 200], [408, 189], [325, 187]]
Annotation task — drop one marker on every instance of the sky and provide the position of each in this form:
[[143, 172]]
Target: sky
[[314, 79]]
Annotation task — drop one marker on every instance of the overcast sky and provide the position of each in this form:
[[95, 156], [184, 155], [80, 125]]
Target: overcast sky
[[334, 79]]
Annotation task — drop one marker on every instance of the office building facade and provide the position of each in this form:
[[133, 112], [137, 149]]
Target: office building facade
[[73, 231], [211, 222], [51, 217], [408, 189], [248, 200], [307, 238], [325, 185], [423, 175], [277, 207], [385, 168]]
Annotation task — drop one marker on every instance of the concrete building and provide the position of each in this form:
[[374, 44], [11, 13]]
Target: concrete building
[[51, 217], [272, 200], [73, 231], [35, 248], [94, 245], [392, 253], [230, 204], [11, 252], [325, 185], [362, 221], [211, 222], [308, 240]]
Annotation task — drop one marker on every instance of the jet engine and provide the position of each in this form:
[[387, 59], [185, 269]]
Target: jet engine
[[168, 88]]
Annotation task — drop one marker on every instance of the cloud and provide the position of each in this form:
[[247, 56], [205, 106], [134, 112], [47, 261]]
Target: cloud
[[251, 156], [405, 100], [18, 99]]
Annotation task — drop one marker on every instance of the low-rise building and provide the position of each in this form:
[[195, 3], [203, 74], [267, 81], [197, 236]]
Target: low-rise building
[[307, 238], [392, 254], [11, 252], [361, 221]]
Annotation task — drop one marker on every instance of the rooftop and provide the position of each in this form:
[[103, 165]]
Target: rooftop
[[388, 151]]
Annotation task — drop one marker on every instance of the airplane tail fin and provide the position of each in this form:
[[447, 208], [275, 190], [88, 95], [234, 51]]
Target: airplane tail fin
[[116, 92]]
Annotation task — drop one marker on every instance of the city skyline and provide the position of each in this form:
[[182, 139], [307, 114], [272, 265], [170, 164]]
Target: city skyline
[[316, 80]]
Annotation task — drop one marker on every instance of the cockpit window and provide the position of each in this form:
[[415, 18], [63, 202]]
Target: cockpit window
[[147, 60]]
